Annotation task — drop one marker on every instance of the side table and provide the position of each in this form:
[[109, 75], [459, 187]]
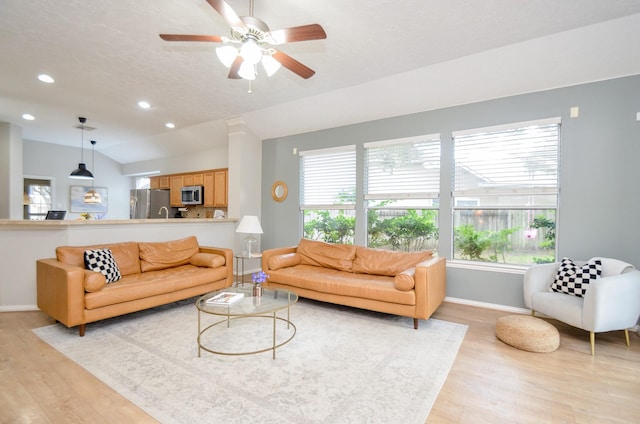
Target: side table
[[240, 269]]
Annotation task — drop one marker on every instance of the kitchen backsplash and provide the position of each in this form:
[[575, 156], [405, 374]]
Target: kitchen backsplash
[[199, 211]]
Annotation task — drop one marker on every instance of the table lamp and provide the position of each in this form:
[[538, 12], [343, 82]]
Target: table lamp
[[249, 224]]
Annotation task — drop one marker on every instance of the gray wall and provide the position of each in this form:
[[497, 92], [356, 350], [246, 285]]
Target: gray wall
[[599, 168]]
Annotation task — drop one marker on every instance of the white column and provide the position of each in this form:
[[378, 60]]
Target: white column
[[11, 174], [245, 174]]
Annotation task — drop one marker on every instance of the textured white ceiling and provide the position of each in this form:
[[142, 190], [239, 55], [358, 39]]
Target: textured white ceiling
[[381, 58]]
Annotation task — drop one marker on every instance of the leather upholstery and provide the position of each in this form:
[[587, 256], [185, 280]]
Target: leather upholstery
[[407, 284], [75, 296]]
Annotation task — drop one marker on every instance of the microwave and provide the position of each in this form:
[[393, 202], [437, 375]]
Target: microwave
[[192, 195]]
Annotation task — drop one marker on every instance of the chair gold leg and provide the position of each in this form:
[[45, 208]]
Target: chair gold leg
[[626, 336], [533, 313], [592, 337]]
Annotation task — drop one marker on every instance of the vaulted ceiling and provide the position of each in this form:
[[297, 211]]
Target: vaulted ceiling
[[380, 58]]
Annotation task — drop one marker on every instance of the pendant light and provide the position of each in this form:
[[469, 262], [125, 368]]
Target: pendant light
[[81, 172], [92, 196]]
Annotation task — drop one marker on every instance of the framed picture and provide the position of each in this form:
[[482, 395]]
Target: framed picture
[[78, 204]]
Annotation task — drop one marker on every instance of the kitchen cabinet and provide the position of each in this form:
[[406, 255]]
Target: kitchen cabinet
[[196, 179], [215, 188], [175, 186], [159, 183]]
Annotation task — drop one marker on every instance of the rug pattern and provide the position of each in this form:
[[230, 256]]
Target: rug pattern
[[344, 365]]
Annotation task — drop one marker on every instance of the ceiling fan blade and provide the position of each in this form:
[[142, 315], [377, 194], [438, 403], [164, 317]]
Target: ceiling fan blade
[[299, 33], [182, 37], [293, 65], [235, 67], [227, 13]]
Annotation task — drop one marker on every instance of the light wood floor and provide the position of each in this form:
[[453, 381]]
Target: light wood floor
[[489, 382]]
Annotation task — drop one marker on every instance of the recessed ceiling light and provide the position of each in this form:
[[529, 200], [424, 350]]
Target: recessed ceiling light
[[144, 105], [45, 78], [170, 125], [28, 117]]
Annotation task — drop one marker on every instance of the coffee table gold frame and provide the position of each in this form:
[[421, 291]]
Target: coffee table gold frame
[[265, 306]]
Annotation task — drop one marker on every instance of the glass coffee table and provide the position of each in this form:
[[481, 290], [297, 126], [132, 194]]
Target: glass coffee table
[[266, 306]]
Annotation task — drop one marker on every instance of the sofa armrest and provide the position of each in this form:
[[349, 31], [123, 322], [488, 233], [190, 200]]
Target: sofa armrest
[[60, 291], [228, 259], [274, 252], [430, 286], [538, 278], [612, 303]]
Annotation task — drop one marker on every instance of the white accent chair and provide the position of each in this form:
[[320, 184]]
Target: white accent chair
[[612, 302]]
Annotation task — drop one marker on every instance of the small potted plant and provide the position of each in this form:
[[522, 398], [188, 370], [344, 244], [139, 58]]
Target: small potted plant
[[258, 278]]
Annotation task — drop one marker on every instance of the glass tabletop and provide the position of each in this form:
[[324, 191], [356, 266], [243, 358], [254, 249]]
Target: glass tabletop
[[270, 301]]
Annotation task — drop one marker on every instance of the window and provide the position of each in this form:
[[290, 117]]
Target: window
[[37, 198], [328, 185], [506, 193], [402, 193]]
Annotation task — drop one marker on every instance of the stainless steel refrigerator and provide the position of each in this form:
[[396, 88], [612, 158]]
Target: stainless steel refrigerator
[[148, 204]]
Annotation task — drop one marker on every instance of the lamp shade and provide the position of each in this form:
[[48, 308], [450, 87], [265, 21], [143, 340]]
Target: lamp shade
[[249, 224], [81, 173]]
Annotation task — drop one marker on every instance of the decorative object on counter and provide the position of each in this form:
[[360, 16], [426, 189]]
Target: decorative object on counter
[[279, 191], [249, 225], [218, 214], [81, 172], [92, 196], [258, 279], [78, 204], [85, 216]]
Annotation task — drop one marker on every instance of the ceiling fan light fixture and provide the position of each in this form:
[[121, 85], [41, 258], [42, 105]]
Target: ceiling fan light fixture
[[247, 71], [227, 54], [251, 52], [270, 65]]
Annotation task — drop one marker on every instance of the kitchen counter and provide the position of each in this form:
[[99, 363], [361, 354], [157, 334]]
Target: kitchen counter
[[25, 241], [72, 222]]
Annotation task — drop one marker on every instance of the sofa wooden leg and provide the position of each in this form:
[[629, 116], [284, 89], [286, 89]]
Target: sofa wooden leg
[[592, 339], [81, 329], [415, 323], [626, 336]]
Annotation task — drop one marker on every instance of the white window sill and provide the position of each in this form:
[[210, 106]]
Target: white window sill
[[488, 266]]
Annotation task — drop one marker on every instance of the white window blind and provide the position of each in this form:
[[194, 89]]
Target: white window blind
[[328, 178], [403, 168], [521, 160]]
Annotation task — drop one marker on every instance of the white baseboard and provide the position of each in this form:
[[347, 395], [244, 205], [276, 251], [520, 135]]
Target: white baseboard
[[487, 305], [19, 308]]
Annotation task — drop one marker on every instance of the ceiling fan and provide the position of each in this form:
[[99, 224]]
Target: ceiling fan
[[256, 43]]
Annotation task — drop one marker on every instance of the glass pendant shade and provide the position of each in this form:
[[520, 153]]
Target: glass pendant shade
[[92, 196], [227, 54], [247, 71], [270, 65], [251, 52]]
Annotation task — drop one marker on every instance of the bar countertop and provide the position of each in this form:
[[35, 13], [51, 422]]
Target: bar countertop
[[78, 222]]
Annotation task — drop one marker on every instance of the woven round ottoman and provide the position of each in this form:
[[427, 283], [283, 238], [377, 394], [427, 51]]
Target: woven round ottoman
[[528, 333]]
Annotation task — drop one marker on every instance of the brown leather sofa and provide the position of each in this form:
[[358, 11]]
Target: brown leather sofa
[[408, 284], [152, 274]]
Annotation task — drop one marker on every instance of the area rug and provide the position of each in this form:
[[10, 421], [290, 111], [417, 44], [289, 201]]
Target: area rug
[[344, 365]]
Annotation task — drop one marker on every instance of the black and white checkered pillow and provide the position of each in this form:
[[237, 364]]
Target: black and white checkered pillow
[[101, 260], [574, 280]]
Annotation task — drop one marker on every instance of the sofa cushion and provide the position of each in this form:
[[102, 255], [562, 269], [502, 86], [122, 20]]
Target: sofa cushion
[[125, 254], [405, 280], [211, 260], [102, 261], [167, 254], [327, 255], [94, 281], [574, 280], [386, 262], [283, 261]]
